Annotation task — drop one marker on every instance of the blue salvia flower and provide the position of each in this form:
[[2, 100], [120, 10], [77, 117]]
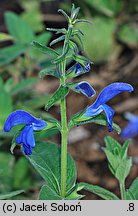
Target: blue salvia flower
[[131, 130], [79, 68], [26, 137], [108, 93], [85, 88]]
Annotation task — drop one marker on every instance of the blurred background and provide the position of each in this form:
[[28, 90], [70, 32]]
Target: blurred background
[[111, 42]]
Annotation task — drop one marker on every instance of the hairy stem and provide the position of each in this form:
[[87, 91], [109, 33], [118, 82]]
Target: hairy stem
[[64, 136], [122, 190]]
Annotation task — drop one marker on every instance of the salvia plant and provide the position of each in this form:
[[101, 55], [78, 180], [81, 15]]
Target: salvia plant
[[53, 163]]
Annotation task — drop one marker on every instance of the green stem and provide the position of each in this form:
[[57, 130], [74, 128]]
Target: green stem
[[122, 190], [64, 137]]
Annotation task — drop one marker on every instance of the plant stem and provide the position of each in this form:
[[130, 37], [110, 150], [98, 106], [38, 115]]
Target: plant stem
[[122, 190], [64, 136]]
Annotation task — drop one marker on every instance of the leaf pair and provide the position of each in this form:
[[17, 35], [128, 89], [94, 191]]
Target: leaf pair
[[119, 163]]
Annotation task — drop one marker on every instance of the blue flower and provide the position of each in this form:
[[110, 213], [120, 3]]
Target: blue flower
[[131, 130], [26, 137], [79, 68], [108, 93], [85, 88]]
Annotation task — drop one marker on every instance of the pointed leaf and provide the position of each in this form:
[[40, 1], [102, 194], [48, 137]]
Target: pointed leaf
[[134, 189], [73, 194], [58, 95], [79, 39], [58, 31], [49, 169], [57, 40], [74, 13], [113, 161], [123, 169], [18, 28], [5, 106], [81, 59], [50, 72], [8, 195], [46, 193], [129, 195], [10, 53], [124, 149], [103, 193], [111, 144], [80, 119], [64, 14], [83, 21], [22, 85], [44, 49]]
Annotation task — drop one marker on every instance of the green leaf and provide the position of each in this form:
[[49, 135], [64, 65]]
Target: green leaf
[[100, 119], [5, 106], [81, 59], [74, 13], [31, 103], [50, 72], [46, 193], [21, 175], [49, 133], [58, 31], [49, 169], [32, 15], [10, 194], [58, 95], [98, 39], [73, 194], [64, 14], [83, 21], [22, 85], [5, 37], [57, 40], [134, 189], [53, 127], [10, 53], [103, 193], [44, 49], [124, 149], [129, 195], [129, 35], [111, 144], [18, 28], [109, 8], [43, 38], [123, 169], [113, 161], [6, 171]]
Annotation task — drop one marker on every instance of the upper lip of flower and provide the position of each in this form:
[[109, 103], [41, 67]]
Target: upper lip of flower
[[108, 93], [22, 117], [31, 124]]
